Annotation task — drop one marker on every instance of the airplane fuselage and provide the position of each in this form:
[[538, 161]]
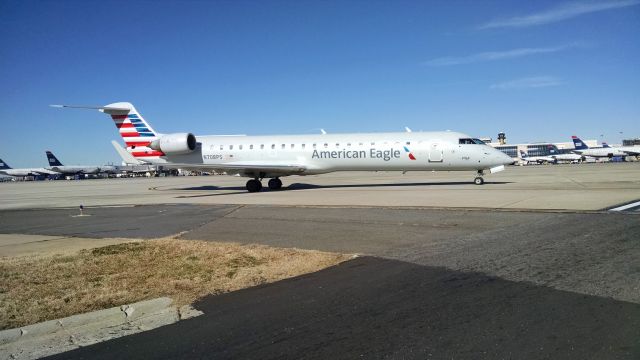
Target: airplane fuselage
[[402, 151], [601, 152]]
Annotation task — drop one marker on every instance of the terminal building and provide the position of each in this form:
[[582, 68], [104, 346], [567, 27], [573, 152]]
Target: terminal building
[[534, 149]]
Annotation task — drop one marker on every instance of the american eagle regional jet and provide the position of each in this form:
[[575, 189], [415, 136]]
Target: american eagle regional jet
[[275, 156]]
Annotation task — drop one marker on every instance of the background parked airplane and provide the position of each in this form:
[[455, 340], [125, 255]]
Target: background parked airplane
[[536, 159], [629, 150], [584, 150], [8, 170], [57, 166], [275, 156]]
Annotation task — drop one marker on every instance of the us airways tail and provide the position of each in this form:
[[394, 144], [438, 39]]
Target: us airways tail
[[579, 144], [4, 165], [53, 160]]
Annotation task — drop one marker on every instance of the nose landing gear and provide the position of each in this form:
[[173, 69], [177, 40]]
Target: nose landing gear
[[479, 180]]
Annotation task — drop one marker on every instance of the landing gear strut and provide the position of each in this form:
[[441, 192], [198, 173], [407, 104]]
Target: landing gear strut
[[275, 184], [254, 185], [479, 180]]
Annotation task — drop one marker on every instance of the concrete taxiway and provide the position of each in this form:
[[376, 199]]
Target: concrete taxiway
[[531, 265], [573, 187]]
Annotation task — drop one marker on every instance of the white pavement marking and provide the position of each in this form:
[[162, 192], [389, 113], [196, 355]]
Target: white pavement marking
[[625, 207]]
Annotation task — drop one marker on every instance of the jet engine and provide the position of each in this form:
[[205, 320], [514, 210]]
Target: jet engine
[[175, 144]]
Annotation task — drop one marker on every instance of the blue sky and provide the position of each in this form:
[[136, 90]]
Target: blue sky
[[539, 70]]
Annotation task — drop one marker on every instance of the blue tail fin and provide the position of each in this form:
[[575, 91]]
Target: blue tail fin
[[3, 165], [579, 144], [605, 145], [53, 160], [523, 154]]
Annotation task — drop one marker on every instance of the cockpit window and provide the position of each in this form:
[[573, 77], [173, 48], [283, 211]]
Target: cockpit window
[[469, 141]]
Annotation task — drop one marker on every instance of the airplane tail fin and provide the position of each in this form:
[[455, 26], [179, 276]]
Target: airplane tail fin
[[523, 154], [53, 160], [135, 131], [4, 165], [605, 145], [579, 144]]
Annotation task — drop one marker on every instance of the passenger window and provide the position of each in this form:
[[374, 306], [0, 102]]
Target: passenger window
[[303, 145], [273, 146], [360, 144], [292, 145], [282, 146], [221, 147], [251, 147], [373, 143], [337, 144], [261, 146], [348, 144], [240, 147], [314, 146], [326, 145], [408, 142], [230, 147]]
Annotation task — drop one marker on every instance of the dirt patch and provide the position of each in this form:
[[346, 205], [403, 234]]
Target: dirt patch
[[39, 288]]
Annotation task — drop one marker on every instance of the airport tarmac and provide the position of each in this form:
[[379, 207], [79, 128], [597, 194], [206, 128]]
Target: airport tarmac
[[439, 275], [572, 187], [430, 283]]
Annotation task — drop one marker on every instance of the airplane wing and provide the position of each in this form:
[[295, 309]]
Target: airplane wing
[[631, 151], [45, 171], [243, 168], [125, 155]]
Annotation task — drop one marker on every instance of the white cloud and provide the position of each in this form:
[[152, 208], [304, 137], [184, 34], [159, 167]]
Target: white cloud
[[559, 13], [529, 82], [494, 55]]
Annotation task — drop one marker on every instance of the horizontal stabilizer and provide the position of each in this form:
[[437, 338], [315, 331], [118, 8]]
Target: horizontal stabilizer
[[105, 109]]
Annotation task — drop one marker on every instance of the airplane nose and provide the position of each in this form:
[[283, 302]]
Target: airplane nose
[[504, 158]]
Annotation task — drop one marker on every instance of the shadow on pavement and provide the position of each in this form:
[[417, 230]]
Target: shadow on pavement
[[377, 308]]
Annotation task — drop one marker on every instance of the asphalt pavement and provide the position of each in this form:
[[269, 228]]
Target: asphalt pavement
[[430, 283]]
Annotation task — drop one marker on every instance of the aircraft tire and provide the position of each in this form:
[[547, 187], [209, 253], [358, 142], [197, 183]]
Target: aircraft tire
[[275, 184], [254, 185], [478, 181]]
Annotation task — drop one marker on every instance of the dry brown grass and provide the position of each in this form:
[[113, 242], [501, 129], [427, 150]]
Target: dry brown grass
[[34, 289]]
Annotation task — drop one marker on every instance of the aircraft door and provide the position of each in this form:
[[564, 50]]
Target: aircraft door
[[435, 152]]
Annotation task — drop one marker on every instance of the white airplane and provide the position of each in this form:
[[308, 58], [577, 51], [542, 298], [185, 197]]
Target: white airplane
[[584, 150], [570, 157], [5, 169], [629, 150], [276, 156], [536, 159], [56, 165]]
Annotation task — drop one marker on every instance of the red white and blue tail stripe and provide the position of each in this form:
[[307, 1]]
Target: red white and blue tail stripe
[[135, 131]]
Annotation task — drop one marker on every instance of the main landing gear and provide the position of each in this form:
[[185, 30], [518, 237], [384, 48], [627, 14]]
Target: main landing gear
[[275, 184], [479, 180], [254, 185]]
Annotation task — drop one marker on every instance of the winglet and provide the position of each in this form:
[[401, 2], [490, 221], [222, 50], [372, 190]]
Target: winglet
[[126, 157]]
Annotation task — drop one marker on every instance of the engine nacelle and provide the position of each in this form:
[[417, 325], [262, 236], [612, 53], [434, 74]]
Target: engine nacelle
[[175, 144]]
